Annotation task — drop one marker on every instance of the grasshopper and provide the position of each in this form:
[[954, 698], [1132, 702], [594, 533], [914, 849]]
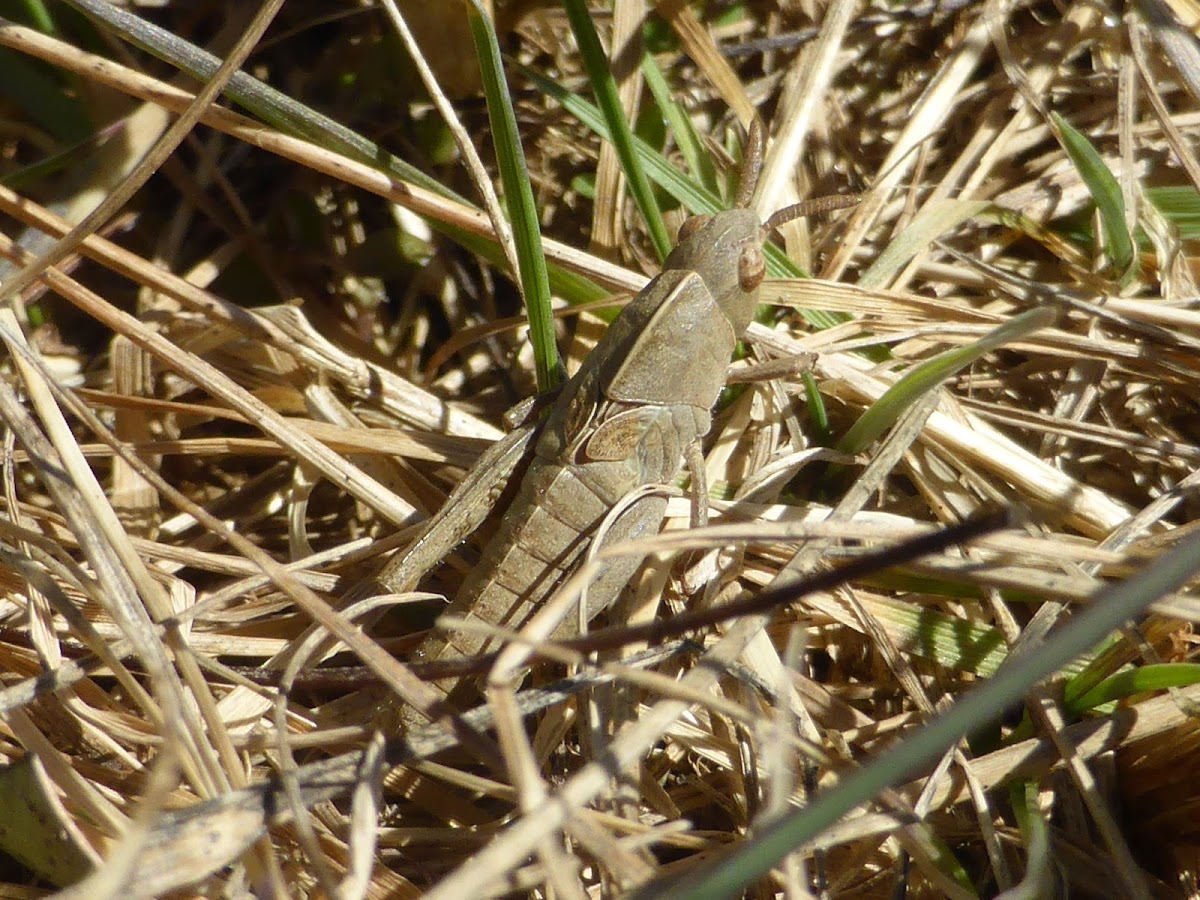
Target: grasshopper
[[640, 400]]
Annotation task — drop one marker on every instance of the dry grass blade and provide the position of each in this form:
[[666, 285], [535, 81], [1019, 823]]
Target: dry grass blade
[[224, 411]]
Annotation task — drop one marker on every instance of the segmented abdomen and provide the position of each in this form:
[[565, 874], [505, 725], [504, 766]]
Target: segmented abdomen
[[552, 520]]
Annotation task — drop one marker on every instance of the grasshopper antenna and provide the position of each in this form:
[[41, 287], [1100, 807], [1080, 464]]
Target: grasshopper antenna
[[811, 207], [756, 142]]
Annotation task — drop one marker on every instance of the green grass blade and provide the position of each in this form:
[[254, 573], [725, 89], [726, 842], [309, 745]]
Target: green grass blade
[[942, 857], [1109, 610], [1140, 680], [1105, 191], [33, 12], [818, 415], [595, 63], [689, 143], [26, 84], [884, 412], [1181, 205], [665, 175], [1040, 865], [522, 211]]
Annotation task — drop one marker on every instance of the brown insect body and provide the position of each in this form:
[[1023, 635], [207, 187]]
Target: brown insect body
[[624, 420]]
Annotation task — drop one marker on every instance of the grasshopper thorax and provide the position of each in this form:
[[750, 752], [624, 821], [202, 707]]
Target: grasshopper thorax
[[725, 251]]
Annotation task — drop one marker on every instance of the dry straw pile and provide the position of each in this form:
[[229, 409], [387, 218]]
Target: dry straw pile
[[241, 385]]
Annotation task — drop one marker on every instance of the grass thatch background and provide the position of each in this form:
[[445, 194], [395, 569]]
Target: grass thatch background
[[297, 369]]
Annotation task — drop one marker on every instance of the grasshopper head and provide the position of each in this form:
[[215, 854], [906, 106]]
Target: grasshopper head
[[725, 250]]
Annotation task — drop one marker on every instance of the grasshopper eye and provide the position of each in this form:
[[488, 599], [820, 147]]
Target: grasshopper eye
[[692, 225], [752, 268]]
